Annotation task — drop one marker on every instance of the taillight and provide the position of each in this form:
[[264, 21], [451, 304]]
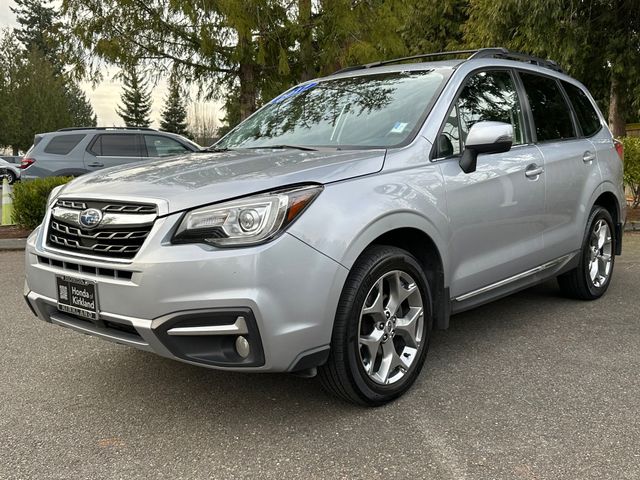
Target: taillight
[[26, 163], [619, 148]]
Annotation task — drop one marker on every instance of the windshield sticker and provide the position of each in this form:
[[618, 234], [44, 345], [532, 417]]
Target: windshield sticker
[[399, 127], [293, 91]]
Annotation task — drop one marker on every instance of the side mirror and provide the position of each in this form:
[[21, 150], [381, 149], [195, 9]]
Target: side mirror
[[485, 137]]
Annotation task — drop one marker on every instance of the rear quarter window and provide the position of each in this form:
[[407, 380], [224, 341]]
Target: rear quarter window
[[587, 116], [63, 144], [551, 112]]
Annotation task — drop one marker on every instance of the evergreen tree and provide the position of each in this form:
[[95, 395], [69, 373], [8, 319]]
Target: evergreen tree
[[39, 29], [174, 114], [80, 110], [597, 41], [136, 99]]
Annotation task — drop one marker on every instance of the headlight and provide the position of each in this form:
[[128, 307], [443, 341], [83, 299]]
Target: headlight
[[246, 221]]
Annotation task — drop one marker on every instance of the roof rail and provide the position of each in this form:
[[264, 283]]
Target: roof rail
[[500, 52], [70, 129], [404, 59], [493, 52]]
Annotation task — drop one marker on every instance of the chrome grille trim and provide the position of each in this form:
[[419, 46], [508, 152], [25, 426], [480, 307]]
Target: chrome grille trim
[[72, 204], [72, 216], [99, 235], [140, 209], [98, 247], [108, 206], [120, 235]]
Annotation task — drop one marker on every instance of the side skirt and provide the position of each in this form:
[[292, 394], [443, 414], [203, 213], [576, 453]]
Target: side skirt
[[515, 283]]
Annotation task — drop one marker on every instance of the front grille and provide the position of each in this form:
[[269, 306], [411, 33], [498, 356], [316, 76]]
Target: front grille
[[110, 239]]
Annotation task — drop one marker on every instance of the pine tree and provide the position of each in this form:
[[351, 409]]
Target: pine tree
[[80, 109], [41, 30], [136, 99], [38, 28], [174, 114]]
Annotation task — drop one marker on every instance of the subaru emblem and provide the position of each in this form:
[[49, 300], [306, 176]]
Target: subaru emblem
[[90, 218]]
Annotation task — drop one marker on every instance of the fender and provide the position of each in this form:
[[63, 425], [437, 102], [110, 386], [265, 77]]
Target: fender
[[387, 223]]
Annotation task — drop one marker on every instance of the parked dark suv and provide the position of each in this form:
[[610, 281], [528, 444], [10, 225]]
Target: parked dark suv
[[75, 151]]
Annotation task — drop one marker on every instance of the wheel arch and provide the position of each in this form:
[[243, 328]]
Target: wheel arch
[[608, 200], [416, 235]]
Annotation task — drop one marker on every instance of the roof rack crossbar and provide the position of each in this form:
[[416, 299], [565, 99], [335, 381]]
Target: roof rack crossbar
[[70, 129], [493, 52]]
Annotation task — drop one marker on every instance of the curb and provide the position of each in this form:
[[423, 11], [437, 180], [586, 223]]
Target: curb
[[632, 227], [13, 244]]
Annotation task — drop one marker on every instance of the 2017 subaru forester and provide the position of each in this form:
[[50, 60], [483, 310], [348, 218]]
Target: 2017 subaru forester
[[333, 229]]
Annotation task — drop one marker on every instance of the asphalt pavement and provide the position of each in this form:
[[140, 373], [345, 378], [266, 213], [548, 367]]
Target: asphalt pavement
[[534, 386]]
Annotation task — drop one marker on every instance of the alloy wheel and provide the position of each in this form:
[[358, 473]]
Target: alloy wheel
[[391, 327], [600, 253]]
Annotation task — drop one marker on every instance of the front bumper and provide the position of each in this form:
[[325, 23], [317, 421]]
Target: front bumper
[[281, 296]]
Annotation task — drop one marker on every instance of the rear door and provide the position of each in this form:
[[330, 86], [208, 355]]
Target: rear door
[[570, 164], [111, 149], [495, 212]]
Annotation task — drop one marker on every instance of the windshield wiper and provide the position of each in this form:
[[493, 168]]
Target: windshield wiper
[[216, 149], [283, 146]]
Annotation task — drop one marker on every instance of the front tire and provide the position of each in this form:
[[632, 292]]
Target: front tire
[[382, 328], [591, 278]]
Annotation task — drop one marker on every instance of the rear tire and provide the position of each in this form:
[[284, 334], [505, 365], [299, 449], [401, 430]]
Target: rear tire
[[8, 174], [591, 278], [382, 329]]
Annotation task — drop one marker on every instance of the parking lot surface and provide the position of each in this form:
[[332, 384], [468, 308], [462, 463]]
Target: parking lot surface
[[534, 386]]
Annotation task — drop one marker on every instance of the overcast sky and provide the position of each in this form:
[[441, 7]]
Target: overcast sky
[[105, 96]]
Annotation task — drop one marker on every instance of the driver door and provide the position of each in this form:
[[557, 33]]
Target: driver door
[[495, 212]]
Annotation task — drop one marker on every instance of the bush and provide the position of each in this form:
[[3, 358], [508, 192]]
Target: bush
[[632, 167], [30, 199]]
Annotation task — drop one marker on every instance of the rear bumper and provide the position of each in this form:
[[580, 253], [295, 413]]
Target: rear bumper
[[281, 297]]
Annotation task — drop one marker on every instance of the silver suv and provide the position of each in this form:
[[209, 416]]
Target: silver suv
[[332, 231], [75, 151]]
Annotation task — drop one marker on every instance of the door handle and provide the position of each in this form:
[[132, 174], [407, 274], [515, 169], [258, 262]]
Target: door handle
[[533, 171], [588, 157], [96, 164]]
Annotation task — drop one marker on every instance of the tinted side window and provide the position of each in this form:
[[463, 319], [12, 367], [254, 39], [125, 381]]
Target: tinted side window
[[158, 146], [114, 145], [551, 113], [62, 144], [587, 116], [487, 96]]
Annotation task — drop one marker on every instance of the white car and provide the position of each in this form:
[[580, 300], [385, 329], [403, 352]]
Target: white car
[[10, 171]]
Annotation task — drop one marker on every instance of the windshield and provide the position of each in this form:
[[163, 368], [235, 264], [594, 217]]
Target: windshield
[[380, 110]]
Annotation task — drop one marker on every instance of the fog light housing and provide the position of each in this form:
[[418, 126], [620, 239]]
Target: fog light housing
[[242, 347]]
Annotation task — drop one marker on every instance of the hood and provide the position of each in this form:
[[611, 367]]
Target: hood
[[191, 180]]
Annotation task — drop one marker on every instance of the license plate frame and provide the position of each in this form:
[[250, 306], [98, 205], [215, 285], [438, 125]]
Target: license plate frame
[[77, 296]]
